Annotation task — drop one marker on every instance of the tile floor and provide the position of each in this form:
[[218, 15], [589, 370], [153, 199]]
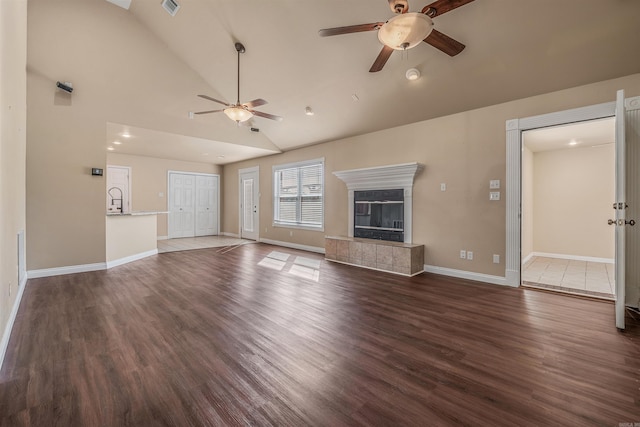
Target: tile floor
[[582, 277], [189, 243]]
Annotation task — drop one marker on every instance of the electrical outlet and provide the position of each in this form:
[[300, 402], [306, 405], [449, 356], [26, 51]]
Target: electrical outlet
[[469, 255], [463, 254], [494, 184], [496, 259], [494, 195]]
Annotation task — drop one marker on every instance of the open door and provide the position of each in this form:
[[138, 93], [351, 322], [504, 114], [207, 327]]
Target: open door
[[620, 207]]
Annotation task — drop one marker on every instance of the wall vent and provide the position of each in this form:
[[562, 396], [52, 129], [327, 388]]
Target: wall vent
[[171, 6]]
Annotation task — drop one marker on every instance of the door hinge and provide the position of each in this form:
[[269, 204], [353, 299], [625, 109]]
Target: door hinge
[[620, 205]]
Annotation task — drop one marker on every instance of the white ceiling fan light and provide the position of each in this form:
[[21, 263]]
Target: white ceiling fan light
[[405, 31]]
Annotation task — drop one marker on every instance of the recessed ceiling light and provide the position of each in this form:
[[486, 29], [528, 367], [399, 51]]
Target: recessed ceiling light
[[308, 111], [117, 142], [125, 135], [221, 156], [573, 142], [110, 148]]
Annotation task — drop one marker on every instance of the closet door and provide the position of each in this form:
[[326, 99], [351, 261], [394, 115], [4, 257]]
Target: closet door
[[206, 205], [182, 189]]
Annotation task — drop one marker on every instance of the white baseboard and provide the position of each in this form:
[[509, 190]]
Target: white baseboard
[[58, 271], [163, 238], [225, 233], [131, 258], [527, 258], [478, 277], [4, 343], [293, 245], [574, 257]]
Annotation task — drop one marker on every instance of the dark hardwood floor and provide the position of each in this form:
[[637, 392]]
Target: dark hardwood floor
[[209, 338]]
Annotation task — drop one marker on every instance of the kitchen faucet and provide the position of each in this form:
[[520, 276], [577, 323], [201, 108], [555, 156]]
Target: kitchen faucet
[[113, 199]]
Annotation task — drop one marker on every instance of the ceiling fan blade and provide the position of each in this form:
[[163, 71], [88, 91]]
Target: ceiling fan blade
[[350, 29], [266, 115], [382, 59], [255, 103], [214, 100], [444, 43], [440, 7], [208, 112]]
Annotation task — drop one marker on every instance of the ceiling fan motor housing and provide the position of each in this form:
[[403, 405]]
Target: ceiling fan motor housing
[[399, 6]]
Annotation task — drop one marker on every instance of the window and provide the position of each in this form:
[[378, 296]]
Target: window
[[298, 194]]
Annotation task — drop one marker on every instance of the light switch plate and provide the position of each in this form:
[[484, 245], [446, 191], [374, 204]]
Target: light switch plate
[[443, 186], [494, 184], [494, 195]]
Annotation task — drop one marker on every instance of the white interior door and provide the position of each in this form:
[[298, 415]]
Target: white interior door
[[620, 207], [206, 205], [249, 196], [118, 188], [182, 189]]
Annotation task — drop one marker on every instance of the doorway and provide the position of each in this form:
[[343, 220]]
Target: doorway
[[249, 203], [193, 204], [568, 184]]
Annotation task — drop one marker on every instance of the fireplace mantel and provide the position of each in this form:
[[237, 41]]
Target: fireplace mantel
[[383, 178]]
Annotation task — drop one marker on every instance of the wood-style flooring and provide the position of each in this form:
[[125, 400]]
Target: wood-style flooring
[[210, 338]]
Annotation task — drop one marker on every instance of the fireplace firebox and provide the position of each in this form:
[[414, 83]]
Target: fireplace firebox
[[379, 214]]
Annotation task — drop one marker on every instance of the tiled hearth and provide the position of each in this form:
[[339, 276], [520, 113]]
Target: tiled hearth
[[401, 258]]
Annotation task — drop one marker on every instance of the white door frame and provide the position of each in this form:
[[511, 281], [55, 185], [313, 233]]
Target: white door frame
[[256, 170], [169, 172], [513, 185]]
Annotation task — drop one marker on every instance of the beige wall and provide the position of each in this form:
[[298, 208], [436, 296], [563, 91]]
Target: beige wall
[[66, 133], [149, 179], [13, 113], [130, 235], [573, 192], [464, 150]]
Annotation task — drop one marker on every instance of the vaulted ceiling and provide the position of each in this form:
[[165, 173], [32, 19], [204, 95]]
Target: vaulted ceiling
[[514, 49]]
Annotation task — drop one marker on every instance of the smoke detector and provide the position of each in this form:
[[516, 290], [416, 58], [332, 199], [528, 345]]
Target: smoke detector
[[171, 6]]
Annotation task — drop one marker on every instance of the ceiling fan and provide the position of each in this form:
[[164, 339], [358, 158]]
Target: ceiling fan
[[240, 112], [407, 29]]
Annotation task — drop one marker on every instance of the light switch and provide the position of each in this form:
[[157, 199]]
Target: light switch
[[494, 195], [443, 186], [494, 184]]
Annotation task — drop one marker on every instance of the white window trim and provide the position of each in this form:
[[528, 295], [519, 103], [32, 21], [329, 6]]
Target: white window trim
[[292, 165]]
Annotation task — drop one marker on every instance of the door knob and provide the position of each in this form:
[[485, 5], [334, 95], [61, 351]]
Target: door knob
[[631, 222]]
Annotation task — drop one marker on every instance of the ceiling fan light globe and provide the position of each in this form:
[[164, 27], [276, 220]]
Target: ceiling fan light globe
[[238, 114], [405, 31]]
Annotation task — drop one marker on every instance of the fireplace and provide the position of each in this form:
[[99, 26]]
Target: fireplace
[[387, 191], [379, 214]]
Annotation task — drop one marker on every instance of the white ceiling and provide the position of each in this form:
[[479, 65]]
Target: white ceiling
[[515, 49], [576, 135]]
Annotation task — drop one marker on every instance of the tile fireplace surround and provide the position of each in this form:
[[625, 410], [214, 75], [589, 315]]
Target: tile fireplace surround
[[394, 257]]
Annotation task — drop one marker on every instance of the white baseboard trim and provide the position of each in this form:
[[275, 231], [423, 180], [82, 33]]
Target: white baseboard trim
[[478, 277], [225, 233], [58, 271], [527, 258], [6, 335], [163, 238], [293, 245], [131, 258], [574, 257]]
